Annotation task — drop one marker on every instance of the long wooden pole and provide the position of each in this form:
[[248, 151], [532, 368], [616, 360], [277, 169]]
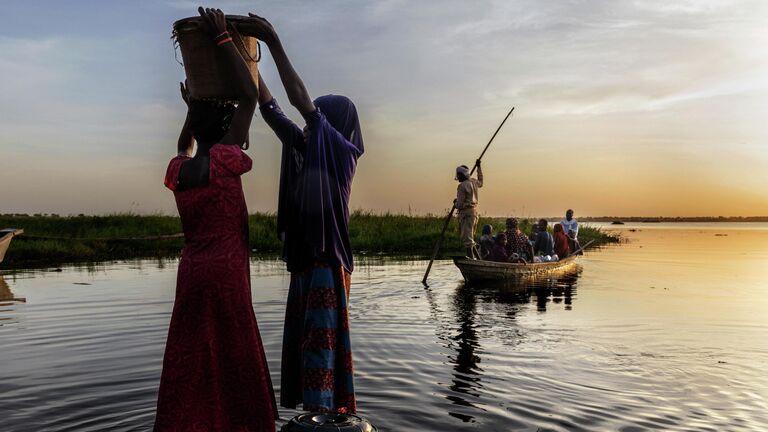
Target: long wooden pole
[[453, 207], [582, 247]]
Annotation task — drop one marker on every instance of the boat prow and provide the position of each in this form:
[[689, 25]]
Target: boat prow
[[6, 235]]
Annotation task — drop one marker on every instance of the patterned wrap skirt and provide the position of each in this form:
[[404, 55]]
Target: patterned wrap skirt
[[317, 356]]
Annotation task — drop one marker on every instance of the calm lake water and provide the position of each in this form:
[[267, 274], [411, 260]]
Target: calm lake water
[[668, 331]]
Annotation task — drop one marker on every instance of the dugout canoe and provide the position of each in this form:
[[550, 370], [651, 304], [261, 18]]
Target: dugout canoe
[[481, 270], [6, 235]]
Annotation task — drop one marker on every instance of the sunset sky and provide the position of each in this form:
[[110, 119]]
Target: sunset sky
[[622, 107]]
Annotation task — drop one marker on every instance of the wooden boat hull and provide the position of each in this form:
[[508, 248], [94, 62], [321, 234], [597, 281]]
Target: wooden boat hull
[[6, 236], [480, 270]]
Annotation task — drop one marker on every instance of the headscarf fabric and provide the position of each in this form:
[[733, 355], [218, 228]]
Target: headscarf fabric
[[462, 172], [315, 185], [342, 115]]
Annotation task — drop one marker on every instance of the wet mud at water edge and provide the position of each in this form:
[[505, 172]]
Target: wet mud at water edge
[[668, 331]]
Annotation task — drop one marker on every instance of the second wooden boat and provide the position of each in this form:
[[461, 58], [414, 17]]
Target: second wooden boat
[[6, 235]]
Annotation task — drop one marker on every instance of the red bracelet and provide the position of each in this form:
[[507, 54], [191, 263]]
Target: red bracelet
[[225, 32], [223, 41]]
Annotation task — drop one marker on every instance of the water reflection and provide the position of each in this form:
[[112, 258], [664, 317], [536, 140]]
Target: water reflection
[[467, 381], [6, 295], [560, 288], [7, 302], [467, 372]]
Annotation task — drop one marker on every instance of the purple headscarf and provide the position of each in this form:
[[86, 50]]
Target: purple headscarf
[[316, 180], [342, 115]]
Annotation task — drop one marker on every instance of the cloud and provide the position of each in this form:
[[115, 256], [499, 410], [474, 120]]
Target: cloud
[[613, 84]]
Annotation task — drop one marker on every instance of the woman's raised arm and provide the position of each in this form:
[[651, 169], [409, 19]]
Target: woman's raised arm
[[298, 95], [285, 129], [264, 94], [246, 89], [184, 146]]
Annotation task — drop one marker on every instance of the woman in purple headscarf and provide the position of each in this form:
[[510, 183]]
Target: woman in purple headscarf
[[318, 164]]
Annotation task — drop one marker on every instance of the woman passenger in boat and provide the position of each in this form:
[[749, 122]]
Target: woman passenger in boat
[[486, 241], [517, 242], [499, 250], [318, 165], [215, 375], [562, 242]]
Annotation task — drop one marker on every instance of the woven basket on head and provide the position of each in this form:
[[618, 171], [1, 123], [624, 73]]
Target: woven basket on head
[[208, 76]]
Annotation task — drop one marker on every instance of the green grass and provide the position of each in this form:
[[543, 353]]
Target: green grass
[[52, 240]]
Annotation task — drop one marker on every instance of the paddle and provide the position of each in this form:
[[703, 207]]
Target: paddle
[[582, 247], [453, 207]]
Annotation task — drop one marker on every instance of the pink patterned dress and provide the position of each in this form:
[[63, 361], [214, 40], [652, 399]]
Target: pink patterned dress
[[215, 375]]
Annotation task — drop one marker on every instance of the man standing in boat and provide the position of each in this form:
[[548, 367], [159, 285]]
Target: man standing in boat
[[466, 204]]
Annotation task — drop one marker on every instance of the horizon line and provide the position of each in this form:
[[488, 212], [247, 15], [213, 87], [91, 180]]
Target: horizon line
[[408, 214]]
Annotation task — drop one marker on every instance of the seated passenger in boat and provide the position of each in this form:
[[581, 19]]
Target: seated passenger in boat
[[499, 251], [571, 229], [486, 241], [532, 235], [544, 244], [517, 242], [562, 242]]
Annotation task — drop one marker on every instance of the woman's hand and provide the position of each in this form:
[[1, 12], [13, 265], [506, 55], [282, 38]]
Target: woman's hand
[[240, 77], [213, 21], [184, 92], [186, 140], [260, 28]]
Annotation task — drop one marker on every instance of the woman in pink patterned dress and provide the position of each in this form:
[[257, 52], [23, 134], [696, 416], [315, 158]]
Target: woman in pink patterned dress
[[215, 375]]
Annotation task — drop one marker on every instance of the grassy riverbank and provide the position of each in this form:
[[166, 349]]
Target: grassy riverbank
[[52, 240]]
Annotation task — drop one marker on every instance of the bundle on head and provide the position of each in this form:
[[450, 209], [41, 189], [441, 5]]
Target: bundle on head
[[209, 120]]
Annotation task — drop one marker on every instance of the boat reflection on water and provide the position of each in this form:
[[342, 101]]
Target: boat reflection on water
[[7, 303], [6, 295], [559, 288], [481, 311]]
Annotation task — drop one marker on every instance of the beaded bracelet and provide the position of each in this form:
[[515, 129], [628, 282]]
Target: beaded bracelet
[[222, 38]]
